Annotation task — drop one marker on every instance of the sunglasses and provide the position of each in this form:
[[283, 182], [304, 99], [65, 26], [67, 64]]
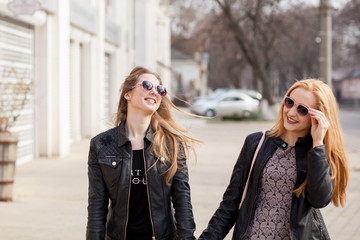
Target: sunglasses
[[301, 109], [147, 85]]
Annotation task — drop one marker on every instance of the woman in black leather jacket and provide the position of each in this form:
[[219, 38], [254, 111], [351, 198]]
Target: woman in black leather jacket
[[300, 168], [138, 177]]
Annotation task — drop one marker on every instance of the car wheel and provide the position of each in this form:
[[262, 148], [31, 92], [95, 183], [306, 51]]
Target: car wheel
[[210, 113], [246, 114]]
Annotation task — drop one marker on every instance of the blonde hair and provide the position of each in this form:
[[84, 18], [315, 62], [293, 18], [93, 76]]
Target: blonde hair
[[326, 103], [169, 135]]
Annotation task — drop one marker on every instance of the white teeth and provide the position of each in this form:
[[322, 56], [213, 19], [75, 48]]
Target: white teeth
[[151, 100], [291, 120]]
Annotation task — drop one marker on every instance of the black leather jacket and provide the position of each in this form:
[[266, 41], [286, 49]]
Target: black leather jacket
[[306, 221], [109, 169]]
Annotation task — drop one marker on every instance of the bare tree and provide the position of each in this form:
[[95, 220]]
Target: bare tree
[[249, 21], [14, 93], [296, 50], [347, 35], [276, 42]]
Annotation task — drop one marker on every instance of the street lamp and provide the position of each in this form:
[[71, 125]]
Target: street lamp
[[325, 59]]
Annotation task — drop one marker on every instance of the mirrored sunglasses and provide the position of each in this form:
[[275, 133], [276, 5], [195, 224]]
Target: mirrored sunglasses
[[147, 85], [301, 109]]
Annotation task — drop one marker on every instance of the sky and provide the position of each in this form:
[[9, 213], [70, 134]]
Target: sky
[[335, 3]]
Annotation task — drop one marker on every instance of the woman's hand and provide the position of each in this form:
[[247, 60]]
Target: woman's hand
[[319, 126]]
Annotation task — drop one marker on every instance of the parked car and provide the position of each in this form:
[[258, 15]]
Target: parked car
[[213, 95], [252, 93], [227, 103]]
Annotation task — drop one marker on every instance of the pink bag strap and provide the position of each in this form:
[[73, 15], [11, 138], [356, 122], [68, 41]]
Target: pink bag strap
[[252, 165]]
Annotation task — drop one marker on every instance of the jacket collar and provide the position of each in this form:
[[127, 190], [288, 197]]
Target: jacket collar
[[306, 141], [123, 135], [302, 142], [149, 135]]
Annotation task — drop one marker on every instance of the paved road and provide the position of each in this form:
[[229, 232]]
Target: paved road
[[51, 194], [350, 122]]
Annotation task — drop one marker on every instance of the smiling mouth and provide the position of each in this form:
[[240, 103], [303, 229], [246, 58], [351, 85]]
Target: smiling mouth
[[151, 100], [290, 120]]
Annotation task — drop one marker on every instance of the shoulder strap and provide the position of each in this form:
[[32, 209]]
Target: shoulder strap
[[252, 165]]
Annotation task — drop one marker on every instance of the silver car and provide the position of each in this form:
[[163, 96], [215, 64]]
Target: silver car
[[235, 103]]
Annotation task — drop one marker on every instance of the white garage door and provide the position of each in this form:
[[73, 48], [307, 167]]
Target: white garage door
[[106, 111], [17, 58]]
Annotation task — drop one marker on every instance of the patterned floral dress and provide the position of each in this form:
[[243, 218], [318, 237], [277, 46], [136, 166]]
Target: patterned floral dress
[[272, 215]]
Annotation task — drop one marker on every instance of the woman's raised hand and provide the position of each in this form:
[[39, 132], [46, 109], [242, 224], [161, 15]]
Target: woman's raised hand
[[319, 126]]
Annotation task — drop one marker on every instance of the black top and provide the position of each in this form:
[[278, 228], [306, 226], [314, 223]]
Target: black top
[[139, 224]]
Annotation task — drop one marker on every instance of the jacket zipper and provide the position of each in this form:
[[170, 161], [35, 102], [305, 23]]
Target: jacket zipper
[[128, 202], [292, 235], [291, 216], [147, 189]]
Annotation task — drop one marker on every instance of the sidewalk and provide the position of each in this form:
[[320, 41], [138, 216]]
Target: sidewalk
[[216, 158], [50, 197]]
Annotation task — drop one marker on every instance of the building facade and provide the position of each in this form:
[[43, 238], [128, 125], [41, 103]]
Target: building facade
[[191, 72], [346, 85], [152, 37], [77, 53]]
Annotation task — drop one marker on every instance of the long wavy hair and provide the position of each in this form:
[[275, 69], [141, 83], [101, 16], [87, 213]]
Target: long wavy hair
[[169, 135], [326, 103]]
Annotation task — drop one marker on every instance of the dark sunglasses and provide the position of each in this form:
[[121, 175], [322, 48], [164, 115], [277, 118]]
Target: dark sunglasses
[[147, 85], [301, 109]]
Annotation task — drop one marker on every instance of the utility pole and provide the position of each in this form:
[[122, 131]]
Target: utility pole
[[325, 58]]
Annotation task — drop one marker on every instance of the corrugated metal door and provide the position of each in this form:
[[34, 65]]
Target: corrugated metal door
[[17, 58], [106, 111]]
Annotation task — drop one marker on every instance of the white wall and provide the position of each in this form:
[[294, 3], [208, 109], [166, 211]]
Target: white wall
[[189, 72], [163, 40], [350, 88], [52, 76], [152, 37], [140, 34], [68, 99]]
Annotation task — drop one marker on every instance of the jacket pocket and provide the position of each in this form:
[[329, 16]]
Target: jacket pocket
[[111, 170], [111, 161], [319, 225]]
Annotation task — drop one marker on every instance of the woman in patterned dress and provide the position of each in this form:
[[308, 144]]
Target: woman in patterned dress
[[300, 168]]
